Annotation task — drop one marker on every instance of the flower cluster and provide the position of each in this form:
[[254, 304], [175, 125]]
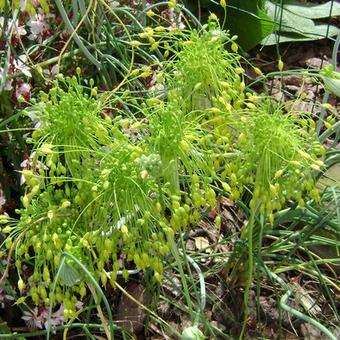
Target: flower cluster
[[112, 190]]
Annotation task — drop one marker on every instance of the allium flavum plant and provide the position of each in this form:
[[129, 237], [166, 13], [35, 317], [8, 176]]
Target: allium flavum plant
[[115, 201], [278, 152], [86, 194]]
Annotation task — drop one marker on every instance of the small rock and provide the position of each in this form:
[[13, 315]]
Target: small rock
[[269, 309], [317, 63], [129, 314]]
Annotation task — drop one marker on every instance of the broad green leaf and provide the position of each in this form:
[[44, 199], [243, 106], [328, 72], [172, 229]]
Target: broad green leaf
[[312, 10], [331, 79], [319, 32], [247, 18], [250, 23], [293, 27], [287, 21]]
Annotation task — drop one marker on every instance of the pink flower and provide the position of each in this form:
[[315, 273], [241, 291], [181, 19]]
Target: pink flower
[[38, 317], [20, 65], [39, 26], [33, 318], [12, 26], [23, 90], [28, 164]]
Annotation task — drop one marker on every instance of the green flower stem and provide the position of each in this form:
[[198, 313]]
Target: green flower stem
[[181, 7], [249, 236], [44, 332], [295, 312], [176, 255], [75, 35], [94, 282], [203, 294]]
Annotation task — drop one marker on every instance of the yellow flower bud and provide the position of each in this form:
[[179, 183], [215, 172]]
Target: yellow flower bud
[[213, 17], [154, 46], [172, 3], [295, 163], [25, 201], [146, 74], [124, 229], [66, 204], [234, 47], [150, 13], [135, 125], [327, 106], [280, 65], [7, 230], [218, 221], [242, 138], [223, 3], [278, 173], [21, 285], [135, 43], [257, 71], [251, 106], [160, 29]]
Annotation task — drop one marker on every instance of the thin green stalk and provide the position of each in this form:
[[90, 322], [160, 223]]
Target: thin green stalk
[[295, 312], [203, 293], [176, 255], [76, 37], [250, 259], [45, 331], [94, 282]]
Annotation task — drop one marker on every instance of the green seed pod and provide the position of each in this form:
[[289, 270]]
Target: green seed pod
[[46, 275], [103, 278], [218, 221]]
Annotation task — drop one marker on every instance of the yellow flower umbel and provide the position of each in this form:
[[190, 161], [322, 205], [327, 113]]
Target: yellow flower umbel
[[277, 157]]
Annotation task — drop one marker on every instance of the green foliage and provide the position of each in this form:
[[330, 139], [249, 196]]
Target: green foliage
[[331, 80], [115, 176], [278, 153], [249, 20], [86, 196], [295, 21], [246, 19]]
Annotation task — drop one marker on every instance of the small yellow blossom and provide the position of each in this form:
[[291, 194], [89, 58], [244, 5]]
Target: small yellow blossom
[[150, 13], [280, 65], [172, 3]]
